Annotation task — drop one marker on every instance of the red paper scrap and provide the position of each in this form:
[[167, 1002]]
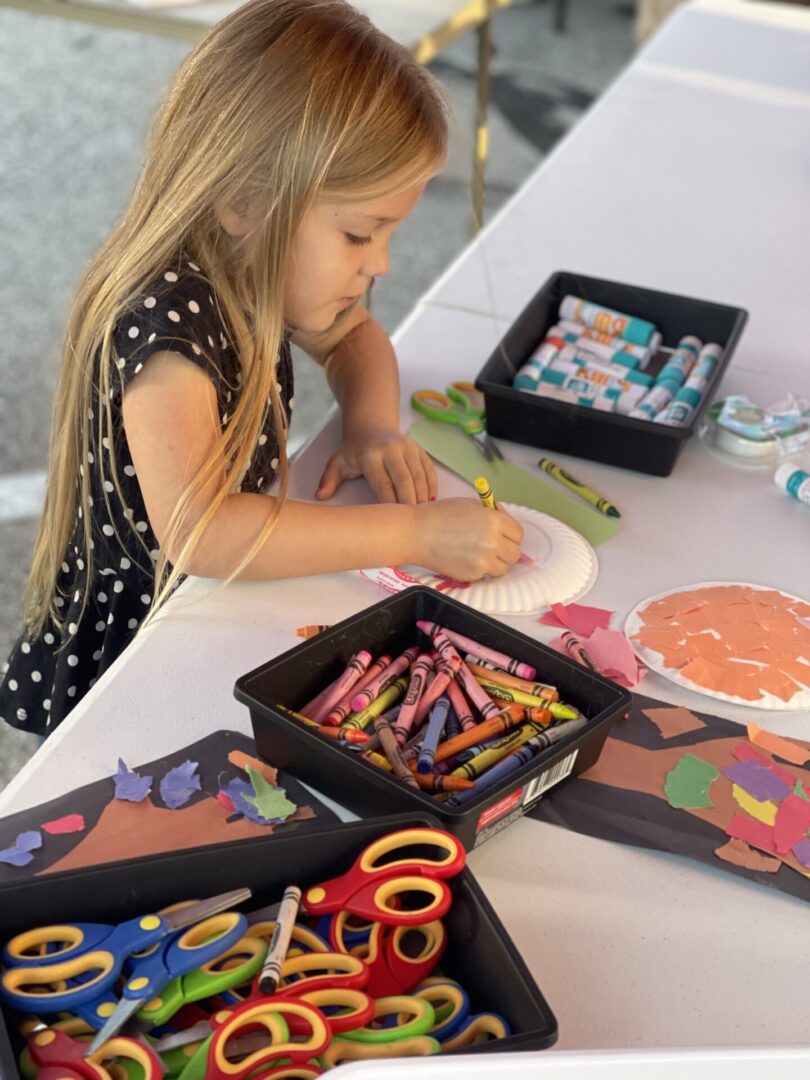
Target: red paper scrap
[[614, 657], [67, 824], [755, 833], [792, 822], [580, 618], [226, 801]]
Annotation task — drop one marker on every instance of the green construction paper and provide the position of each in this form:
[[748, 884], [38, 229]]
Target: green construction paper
[[509, 482], [271, 802], [799, 790], [687, 785]]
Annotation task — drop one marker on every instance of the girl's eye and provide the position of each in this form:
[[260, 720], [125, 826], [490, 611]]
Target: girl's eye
[[359, 240]]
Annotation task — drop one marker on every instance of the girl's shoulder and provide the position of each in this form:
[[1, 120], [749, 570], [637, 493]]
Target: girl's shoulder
[[176, 311]]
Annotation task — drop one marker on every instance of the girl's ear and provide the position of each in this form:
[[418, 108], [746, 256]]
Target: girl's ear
[[238, 218]]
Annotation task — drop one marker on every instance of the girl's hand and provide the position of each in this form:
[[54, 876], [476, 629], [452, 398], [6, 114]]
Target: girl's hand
[[461, 539], [398, 470]]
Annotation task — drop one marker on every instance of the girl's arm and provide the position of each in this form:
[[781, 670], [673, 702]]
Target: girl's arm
[[361, 369], [172, 425]]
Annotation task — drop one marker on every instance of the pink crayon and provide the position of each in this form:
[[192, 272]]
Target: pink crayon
[[343, 710], [445, 674], [483, 652], [342, 685], [420, 672], [387, 677], [460, 706], [473, 689]]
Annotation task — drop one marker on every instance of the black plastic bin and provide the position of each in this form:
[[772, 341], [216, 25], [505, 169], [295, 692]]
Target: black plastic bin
[[390, 627], [587, 433], [479, 954]]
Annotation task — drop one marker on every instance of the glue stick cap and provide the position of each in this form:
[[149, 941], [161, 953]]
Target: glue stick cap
[[793, 479]]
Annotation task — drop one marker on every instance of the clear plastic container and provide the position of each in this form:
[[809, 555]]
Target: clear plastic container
[[749, 434]]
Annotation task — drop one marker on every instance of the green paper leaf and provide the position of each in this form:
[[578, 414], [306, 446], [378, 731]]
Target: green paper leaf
[[272, 803], [687, 785]]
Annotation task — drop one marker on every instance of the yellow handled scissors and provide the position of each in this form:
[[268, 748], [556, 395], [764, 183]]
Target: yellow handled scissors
[[461, 406]]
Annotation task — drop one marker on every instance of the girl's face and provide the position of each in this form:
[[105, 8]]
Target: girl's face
[[338, 251]]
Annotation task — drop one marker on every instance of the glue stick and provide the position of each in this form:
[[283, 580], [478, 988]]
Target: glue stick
[[794, 480], [638, 331]]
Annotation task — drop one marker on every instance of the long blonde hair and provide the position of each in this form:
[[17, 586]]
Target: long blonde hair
[[282, 103]]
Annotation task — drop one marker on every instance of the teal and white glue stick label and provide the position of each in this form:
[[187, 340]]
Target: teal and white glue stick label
[[680, 411], [606, 320], [654, 401], [794, 480]]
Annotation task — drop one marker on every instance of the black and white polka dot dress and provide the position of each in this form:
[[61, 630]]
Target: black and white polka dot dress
[[47, 676]]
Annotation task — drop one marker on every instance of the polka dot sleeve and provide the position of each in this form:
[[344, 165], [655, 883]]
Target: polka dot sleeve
[[176, 313]]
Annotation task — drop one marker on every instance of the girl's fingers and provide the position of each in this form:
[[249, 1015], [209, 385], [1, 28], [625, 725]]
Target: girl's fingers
[[381, 483], [417, 468], [430, 473], [403, 480]]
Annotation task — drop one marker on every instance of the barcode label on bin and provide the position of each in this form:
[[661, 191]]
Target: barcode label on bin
[[558, 771]]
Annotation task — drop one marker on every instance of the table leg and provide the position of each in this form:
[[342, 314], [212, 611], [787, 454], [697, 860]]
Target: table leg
[[481, 130]]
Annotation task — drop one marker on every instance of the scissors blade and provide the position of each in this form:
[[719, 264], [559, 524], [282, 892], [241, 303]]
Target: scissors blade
[[493, 446], [201, 909], [197, 1033], [125, 1008], [482, 446]]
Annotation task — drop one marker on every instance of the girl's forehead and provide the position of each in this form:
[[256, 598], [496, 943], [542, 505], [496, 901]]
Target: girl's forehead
[[381, 210]]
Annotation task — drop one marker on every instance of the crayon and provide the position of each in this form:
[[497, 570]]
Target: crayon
[[477, 696], [341, 686], [343, 709], [377, 759], [487, 729], [310, 631], [516, 760], [445, 673], [461, 706], [358, 737], [574, 648], [503, 678], [388, 697], [604, 506], [385, 679], [420, 672], [392, 751], [485, 492], [558, 709], [435, 730], [435, 782], [540, 714], [451, 724], [280, 941], [490, 755], [481, 652]]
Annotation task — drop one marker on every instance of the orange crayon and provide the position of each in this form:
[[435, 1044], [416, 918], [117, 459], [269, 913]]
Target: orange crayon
[[310, 631], [487, 729], [437, 782], [503, 678]]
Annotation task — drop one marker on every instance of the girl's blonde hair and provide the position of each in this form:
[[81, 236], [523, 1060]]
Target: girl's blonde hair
[[282, 103]]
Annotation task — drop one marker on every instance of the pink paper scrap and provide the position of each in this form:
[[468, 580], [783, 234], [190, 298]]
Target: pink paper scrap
[[756, 833], [792, 822], [67, 824], [580, 618]]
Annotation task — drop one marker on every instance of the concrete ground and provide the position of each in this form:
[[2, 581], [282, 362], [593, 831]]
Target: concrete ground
[[75, 103]]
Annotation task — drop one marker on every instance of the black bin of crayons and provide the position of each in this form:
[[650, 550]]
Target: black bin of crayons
[[296, 676], [630, 443], [480, 954]]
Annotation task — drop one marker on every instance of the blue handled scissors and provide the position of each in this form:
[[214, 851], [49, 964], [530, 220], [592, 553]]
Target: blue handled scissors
[[149, 974], [462, 406]]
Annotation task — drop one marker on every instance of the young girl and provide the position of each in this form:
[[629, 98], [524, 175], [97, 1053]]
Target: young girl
[[294, 140]]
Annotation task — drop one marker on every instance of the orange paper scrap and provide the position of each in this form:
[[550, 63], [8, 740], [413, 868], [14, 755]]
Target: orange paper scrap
[[673, 720], [241, 759], [732, 639], [786, 749], [740, 854]]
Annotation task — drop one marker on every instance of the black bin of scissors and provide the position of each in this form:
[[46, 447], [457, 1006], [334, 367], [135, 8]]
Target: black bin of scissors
[[296, 676], [479, 953], [584, 432]]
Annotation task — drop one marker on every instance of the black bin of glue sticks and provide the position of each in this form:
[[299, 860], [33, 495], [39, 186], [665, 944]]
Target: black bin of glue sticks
[[296, 676], [631, 443], [480, 955]]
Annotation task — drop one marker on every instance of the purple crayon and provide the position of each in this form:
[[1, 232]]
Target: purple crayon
[[483, 652], [420, 673], [387, 677], [343, 709], [435, 729]]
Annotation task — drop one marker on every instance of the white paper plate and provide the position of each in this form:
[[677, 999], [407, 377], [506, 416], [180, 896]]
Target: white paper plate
[[565, 569], [798, 703]]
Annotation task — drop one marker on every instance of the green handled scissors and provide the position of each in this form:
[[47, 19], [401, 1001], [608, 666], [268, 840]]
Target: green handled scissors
[[462, 406]]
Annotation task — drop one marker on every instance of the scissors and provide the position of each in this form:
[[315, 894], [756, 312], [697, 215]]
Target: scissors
[[462, 406], [81, 962], [343, 1049], [398, 958], [151, 973], [235, 1034], [387, 891], [59, 1057], [451, 1004]]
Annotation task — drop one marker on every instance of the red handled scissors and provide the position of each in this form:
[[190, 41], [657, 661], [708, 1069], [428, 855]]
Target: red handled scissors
[[389, 875], [59, 1057]]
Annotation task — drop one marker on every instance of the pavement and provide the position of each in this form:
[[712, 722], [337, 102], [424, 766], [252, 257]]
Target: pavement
[[75, 104]]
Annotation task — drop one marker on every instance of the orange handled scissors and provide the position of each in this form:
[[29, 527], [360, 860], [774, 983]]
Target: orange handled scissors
[[388, 877]]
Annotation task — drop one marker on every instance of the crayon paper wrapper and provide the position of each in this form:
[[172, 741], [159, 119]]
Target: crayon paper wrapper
[[390, 577]]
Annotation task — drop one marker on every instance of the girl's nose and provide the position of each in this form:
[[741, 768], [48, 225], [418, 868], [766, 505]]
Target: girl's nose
[[375, 263]]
